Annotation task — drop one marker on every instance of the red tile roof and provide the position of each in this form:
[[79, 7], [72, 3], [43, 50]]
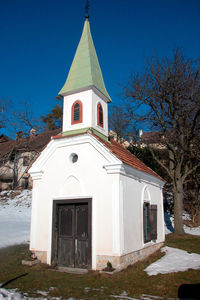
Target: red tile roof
[[121, 153], [127, 157], [35, 143]]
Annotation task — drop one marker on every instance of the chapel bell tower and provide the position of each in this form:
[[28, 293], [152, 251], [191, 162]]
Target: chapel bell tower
[[84, 94]]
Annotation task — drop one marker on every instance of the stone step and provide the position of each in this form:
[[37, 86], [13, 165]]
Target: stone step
[[72, 270], [30, 262]]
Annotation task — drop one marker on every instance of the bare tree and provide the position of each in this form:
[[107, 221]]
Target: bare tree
[[121, 124], [118, 122], [167, 98], [192, 197], [22, 119], [4, 105]]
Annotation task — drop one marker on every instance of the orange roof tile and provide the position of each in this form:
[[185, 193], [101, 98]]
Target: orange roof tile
[[127, 157]]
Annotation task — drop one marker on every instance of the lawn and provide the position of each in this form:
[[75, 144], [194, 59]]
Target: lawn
[[94, 285]]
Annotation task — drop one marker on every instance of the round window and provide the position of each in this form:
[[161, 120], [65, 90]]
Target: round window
[[73, 157]]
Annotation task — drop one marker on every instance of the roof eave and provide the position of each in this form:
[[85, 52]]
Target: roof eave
[[92, 87]]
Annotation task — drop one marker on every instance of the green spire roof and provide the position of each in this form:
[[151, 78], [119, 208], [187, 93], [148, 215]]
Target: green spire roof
[[85, 70]]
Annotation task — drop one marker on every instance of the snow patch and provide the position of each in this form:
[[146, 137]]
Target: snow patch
[[11, 294], [192, 230], [15, 216], [169, 224], [143, 297], [15, 295], [42, 293], [175, 260]]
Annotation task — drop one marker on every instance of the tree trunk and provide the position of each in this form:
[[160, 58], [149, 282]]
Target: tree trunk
[[178, 208], [15, 182], [15, 174]]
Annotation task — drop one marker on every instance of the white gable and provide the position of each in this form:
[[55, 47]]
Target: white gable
[[67, 146]]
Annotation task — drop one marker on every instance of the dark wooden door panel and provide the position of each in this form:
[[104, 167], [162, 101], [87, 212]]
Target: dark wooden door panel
[[81, 236], [66, 235], [66, 220], [81, 255], [73, 235], [66, 252], [82, 221]]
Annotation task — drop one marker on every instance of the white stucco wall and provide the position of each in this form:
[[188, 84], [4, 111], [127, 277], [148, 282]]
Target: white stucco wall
[[116, 192], [61, 179], [133, 199], [89, 100]]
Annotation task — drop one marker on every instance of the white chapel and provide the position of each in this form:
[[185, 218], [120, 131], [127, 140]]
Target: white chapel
[[93, 201]]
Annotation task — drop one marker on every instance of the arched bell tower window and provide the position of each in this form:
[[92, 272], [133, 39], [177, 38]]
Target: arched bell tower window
[[100, 115], [77, 112]]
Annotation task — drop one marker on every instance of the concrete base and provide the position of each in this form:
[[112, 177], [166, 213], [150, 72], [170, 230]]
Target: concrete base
[[41, 255], [122, 262], [118, 262]]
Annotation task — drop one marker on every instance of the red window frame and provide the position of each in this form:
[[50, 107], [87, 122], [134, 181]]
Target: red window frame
[[99, 121], [80, 112]]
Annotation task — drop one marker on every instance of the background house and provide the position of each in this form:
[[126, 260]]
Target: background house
[[154, 139], [17, 155]]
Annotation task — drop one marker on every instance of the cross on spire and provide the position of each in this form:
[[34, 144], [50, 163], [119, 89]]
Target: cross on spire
[[87, 9]]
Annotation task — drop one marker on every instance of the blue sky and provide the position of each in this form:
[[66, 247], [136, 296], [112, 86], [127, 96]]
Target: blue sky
[[39, 40]]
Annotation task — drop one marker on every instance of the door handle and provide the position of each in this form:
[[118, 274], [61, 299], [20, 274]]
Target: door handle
[[76, 245]]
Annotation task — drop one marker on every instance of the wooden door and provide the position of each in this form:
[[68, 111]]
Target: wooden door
[[73, 237]]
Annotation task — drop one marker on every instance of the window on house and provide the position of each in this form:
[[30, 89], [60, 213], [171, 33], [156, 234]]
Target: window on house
[[77, 112], [99, 115], [146, 222], [25, 161], [149, 222], [12, 156]]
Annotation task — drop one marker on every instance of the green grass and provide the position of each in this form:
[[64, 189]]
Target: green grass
[[187, 242], [93, 285]]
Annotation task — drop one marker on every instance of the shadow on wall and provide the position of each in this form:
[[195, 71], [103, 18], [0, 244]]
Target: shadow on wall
[[168, 221], [189, 291]]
